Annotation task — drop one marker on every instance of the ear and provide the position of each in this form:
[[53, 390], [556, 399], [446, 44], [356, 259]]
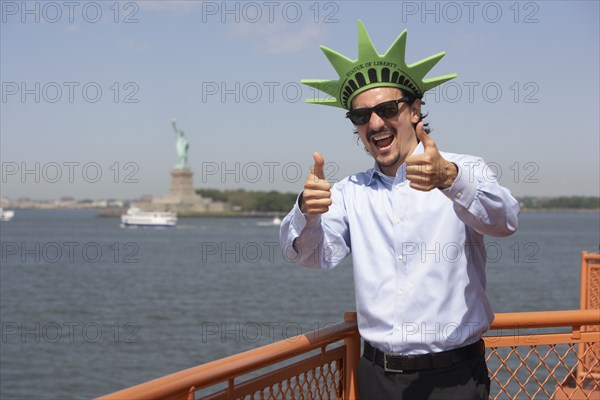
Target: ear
[[415, 111]]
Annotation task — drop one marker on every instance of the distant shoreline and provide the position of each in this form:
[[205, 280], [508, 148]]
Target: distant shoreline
[[261, 200], [117, 212]]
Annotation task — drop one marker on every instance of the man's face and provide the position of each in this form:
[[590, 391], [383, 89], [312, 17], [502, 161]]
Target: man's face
[[389, 140]]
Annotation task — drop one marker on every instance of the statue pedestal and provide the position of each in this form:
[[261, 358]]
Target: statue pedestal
[[182, 197], [182, 186]]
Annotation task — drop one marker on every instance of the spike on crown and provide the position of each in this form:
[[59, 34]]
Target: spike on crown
[[374, 70]]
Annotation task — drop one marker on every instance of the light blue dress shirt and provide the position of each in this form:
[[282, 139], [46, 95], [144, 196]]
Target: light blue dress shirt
[[418, 257]]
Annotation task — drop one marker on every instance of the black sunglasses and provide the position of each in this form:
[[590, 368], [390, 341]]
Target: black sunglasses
[[387, 109]]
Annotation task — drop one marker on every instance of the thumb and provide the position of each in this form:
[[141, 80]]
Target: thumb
[[424, 137], [318, 167]]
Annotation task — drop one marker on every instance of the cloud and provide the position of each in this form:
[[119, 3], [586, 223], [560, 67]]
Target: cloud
[[279, 38]]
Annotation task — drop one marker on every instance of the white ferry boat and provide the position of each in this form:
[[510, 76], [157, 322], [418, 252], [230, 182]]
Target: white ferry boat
[[137, 217], [6, 215]]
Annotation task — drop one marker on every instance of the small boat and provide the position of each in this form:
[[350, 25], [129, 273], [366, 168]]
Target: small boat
[[276, 221], [6, 215], [137, 217]]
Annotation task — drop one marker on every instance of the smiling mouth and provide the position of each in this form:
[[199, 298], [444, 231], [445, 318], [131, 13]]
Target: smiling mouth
[[382, 140]]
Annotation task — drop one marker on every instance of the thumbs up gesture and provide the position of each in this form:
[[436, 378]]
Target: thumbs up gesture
[[316, 197], [429, 170]]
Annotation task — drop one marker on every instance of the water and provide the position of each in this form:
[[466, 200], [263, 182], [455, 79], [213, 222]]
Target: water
[[88, 307]]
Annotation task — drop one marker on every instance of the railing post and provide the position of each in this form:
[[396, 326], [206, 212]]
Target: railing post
[[352, 358], [589, 299]]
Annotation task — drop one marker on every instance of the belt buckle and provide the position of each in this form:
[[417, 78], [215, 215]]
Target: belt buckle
[[385, 364]]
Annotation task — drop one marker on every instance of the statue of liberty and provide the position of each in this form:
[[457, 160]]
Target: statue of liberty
[[182, 146]]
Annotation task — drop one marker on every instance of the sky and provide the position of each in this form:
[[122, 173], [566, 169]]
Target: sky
[[89, 90]]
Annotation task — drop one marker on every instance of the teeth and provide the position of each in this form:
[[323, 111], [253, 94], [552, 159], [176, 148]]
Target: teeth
[[385, 136]]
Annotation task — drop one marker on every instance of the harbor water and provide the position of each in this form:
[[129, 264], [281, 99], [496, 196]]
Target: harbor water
[[88, 307]]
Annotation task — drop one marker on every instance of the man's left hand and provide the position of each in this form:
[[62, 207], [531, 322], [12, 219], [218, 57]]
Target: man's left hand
[[429, 170]]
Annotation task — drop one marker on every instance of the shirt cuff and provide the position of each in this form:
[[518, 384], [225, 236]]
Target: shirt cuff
[[463, 190], [300, 220]]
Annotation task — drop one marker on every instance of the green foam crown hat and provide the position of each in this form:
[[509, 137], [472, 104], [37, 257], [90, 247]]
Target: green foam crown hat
[[374, 70]]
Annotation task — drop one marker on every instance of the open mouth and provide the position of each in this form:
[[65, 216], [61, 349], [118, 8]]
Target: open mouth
[[382, 140]]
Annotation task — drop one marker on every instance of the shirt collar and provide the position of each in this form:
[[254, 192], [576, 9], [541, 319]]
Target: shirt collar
[[400, 174]]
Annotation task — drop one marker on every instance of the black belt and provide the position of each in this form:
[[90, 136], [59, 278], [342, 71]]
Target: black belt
[[392, 362]]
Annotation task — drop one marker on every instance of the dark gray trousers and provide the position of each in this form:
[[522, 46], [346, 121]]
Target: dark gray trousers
[[462, 381]]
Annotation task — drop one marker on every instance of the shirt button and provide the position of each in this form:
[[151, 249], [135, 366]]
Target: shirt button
[[398, 327], [458, 195], [397, 222], [400, 258], [399, 292]]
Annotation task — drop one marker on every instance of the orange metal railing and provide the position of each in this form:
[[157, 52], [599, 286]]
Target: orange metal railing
[[523, 363], [531, 355], [328, 374], [528, 361]]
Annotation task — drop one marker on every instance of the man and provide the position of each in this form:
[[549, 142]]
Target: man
[[414, 224]]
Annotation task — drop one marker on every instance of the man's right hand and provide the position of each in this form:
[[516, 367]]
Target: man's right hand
[[316, 197]]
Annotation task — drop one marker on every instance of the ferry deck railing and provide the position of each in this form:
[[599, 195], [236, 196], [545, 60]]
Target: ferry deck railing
[[530, 355]]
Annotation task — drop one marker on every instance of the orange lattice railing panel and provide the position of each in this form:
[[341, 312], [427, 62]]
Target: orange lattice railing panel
[[538, 372], [525, 363], [319, 383], [317, 377]]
